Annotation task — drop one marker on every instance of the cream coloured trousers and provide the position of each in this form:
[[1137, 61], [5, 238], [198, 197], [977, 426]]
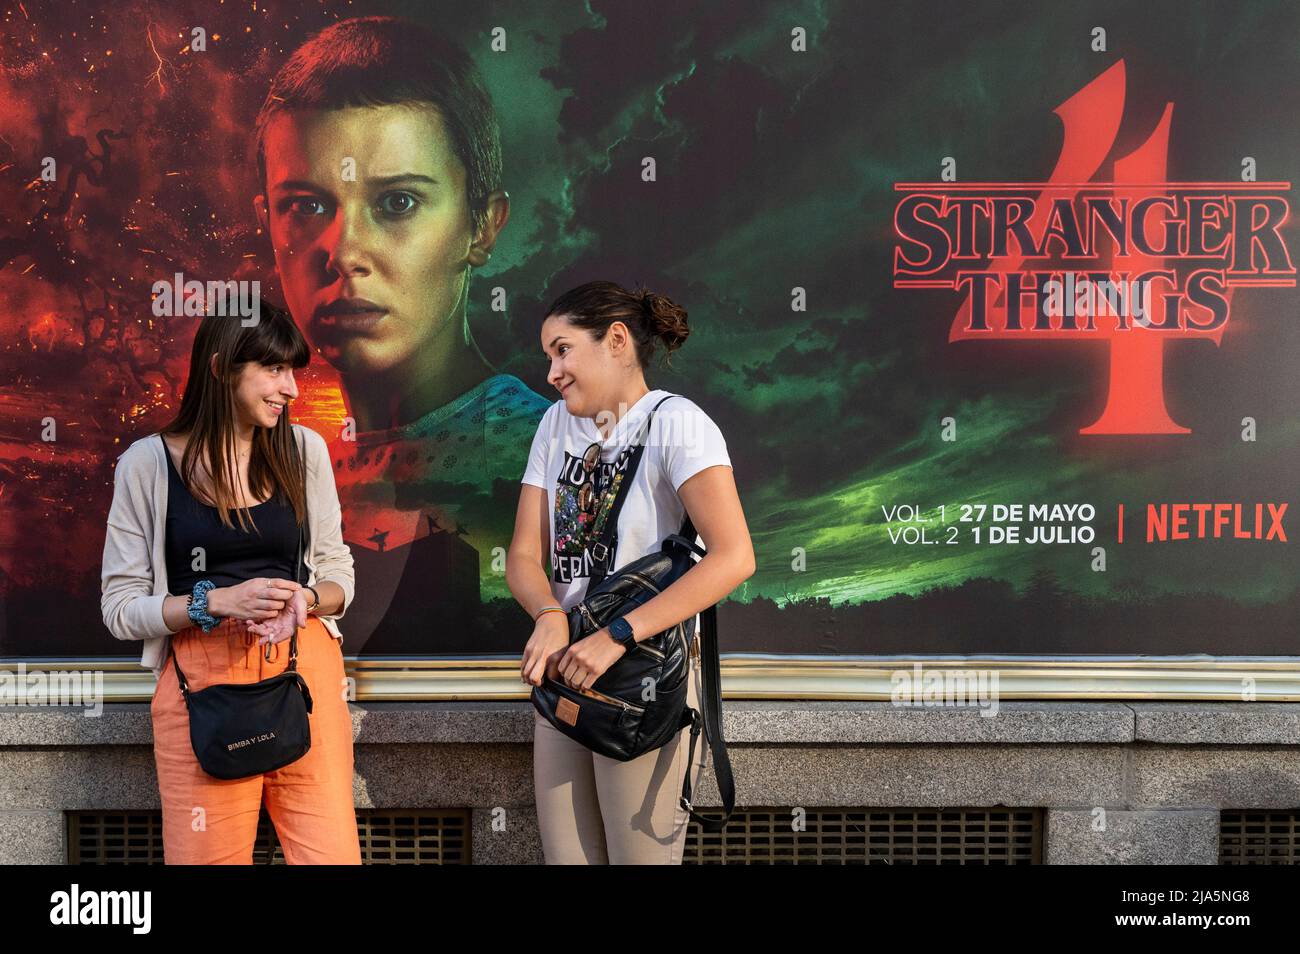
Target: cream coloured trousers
[[594, 810]]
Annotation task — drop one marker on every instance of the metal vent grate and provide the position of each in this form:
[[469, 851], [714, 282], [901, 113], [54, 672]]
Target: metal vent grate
[[1259, 838], [115, 838], [429, 837], [388, 836], [902, 836]]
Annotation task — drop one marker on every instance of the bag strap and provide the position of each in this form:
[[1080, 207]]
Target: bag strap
[[605, 539], [298, 577], [710, 719], [298, 567]]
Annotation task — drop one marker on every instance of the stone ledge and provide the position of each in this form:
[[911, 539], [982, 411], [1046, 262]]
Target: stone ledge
[[1217, 777], [32, 837], [883, 723], [1189, 837], [1217, 723], [749, 722]]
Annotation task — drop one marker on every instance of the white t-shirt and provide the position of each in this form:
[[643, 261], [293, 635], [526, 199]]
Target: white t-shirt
[[681, 442]]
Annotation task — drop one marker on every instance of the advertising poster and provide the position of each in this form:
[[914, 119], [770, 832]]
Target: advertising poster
[[994, 303]]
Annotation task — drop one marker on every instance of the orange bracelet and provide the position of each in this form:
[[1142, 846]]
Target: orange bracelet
[[547, 609]]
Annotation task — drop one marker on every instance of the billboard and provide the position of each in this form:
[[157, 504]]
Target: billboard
[[994, 304]]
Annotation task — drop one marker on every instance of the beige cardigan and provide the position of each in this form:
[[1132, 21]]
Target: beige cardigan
[[133, 580]]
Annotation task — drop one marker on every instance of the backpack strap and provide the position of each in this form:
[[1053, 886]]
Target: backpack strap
[[710, 720], [603, 545]]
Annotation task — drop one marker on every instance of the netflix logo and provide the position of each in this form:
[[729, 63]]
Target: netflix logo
[[1200, 521]]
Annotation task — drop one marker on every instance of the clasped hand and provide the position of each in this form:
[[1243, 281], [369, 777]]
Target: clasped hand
[[579, 664], [281, 626], [586, 660]]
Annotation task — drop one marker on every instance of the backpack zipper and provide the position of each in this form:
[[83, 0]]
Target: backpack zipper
[[652, 651], [586, 614], [645, 580], [654, 589], [610, 699]]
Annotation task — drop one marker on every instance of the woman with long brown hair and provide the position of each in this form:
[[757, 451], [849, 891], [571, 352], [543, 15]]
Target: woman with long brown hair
[[201, 564]]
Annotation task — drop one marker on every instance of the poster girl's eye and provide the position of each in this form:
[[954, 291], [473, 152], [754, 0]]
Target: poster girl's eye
[[304, 205], [398, 203]]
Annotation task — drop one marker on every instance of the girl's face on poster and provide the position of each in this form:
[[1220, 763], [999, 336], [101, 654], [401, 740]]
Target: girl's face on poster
[[368, 216]]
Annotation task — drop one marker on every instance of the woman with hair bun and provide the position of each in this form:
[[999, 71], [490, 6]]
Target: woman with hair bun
[[599, 339]]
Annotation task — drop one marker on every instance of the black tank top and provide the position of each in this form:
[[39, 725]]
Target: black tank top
[[231, 555]]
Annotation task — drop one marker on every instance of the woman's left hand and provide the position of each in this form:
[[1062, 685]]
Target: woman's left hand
[[280, 628], [586, 660]]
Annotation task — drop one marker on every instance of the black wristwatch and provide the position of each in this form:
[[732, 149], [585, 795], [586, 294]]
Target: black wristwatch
[[621, 630]]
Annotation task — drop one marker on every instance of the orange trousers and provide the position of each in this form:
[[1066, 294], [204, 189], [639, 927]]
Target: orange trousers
[[208, 820]]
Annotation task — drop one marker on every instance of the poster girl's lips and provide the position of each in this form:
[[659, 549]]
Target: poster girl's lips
[[350, 314]]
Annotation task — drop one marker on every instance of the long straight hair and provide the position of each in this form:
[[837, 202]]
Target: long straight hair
[[207, 414]]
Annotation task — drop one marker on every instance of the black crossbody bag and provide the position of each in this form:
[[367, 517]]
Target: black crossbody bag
[[614, 717], [243, 729]]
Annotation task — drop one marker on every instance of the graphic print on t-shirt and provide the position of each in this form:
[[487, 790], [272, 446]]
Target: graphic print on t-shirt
[[584, 493]]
